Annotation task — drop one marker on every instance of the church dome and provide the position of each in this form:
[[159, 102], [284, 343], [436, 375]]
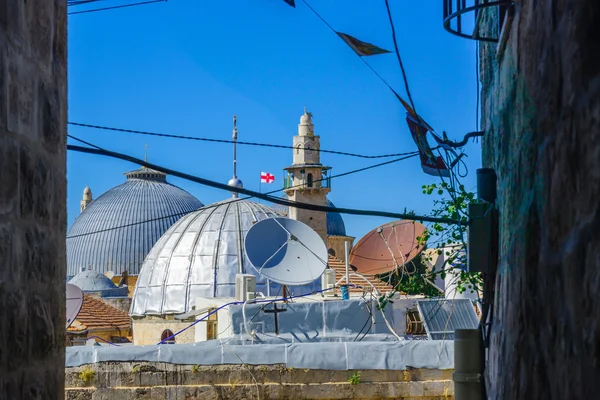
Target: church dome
[[199, 256], [116, 231], [335, 222], [92, 281]]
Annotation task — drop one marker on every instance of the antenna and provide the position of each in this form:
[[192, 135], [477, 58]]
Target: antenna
[[387, 247], [146, 155], [286, 251], [234, 138], [74, 303]]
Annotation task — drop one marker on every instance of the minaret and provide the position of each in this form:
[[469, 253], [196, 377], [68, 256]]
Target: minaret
[[307, 180], [86, 199], [235, 182]]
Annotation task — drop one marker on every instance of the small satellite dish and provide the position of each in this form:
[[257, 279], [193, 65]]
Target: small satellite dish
[[386, 247], [109, 274], [286, 251], [74, 303]]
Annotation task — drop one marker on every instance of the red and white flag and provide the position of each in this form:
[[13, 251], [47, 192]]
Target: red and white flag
[[266, 177]]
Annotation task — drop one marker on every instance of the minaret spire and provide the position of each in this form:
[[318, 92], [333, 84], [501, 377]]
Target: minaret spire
[[235, 182]]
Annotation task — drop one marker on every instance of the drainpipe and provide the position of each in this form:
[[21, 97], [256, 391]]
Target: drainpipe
[[468, 365]]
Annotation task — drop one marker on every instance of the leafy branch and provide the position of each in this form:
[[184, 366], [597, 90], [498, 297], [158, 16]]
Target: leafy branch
[[452, 203]]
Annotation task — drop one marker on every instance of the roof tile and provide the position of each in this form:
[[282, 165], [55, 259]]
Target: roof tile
[[360, 284], [95, 315]]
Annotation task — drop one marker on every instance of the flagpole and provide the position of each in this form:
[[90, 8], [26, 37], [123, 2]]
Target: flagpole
[[260, 189]]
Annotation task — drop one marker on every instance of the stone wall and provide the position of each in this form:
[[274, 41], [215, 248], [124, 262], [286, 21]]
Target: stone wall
[[148, 330], [33, 116], [149, 381], [541, 114]]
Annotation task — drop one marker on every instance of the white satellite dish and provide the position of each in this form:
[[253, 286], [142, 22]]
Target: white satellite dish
[[109, 274], [74, 303], [286, 251]]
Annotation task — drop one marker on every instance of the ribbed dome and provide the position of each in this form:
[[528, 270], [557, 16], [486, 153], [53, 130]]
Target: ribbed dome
[[335, 222], [117, 230], [199, 256]]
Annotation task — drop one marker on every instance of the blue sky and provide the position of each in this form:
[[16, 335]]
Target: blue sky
[[186, 66]]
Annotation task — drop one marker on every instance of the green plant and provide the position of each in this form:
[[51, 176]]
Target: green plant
[[136, 368], [87, 374], [452, 203], [195, 368], [354, 378]]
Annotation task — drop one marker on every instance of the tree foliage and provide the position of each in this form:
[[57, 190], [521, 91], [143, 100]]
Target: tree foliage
[[450, 203]]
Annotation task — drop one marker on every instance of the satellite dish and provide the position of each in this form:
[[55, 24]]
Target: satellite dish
[[386, 247], [286, 251], [109, 274], [74, 303]]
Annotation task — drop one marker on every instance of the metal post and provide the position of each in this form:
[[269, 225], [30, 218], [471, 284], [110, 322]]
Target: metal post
[[346, 252], [468, 365]]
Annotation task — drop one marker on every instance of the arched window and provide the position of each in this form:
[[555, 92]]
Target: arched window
[[309, 180], [331, 252], [167, 333]]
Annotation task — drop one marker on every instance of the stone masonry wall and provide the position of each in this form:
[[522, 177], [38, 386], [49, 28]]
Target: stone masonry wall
[[541, 114], [158, 381], [33, 115]]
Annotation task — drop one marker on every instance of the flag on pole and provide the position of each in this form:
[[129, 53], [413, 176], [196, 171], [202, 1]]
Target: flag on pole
[[266, 177], [291, 3], [363, 49]]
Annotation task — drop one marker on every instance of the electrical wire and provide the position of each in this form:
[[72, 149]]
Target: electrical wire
[[285, 298], [219, 203], [278, 146], [276, 200], [399, 57], [112, 7]]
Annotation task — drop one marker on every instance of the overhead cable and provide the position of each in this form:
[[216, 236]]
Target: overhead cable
[[235, 200], [279, 146], [276, 200], [111, 7]]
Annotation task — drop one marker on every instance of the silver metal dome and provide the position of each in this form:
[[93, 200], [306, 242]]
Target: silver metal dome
[[199, 256], [117, 230], [335, 222]]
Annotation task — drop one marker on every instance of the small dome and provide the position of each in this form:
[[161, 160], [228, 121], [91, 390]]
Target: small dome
[[92, 281], [335, 222], [116, 230], [199, 256], [87, 191], [306, 118]]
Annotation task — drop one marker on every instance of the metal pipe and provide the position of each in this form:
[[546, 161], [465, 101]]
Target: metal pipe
[[347, 255], [469, 363]]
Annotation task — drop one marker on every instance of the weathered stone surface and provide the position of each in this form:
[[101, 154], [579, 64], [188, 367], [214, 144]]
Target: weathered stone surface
[[541, 113], [33, 104], [137, 381]]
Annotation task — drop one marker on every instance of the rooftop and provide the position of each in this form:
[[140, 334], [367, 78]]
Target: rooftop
[[96, 315], [359, 281]]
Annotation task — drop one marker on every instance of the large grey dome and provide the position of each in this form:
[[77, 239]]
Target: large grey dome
[[199, 256], [116, 231], [335, 222]]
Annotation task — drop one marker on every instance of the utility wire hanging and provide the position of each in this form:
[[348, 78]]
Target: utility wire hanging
[[276, 200], [77, 3], [235, 200], [278, 146], [431, 165]]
